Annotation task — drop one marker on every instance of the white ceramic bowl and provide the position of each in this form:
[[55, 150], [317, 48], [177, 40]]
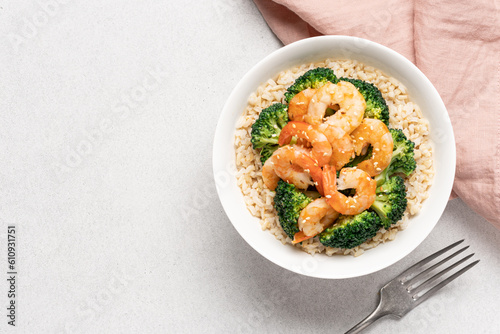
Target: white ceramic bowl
[[421, 91]]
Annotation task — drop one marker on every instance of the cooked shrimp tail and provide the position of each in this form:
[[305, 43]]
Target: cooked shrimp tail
[[299, 237]]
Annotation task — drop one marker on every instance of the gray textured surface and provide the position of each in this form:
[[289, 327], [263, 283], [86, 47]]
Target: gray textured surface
[[105, 168]]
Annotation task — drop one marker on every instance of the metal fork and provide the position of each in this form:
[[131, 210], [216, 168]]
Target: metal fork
[[405, 292]]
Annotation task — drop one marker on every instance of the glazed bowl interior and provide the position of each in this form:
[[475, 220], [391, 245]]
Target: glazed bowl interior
[[421, 91]]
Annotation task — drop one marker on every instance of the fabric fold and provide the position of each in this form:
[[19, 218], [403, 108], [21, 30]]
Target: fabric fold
[[456, 44]]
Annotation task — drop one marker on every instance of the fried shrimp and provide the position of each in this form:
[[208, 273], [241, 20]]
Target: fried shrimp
[[349, 178], [341, 142], [375, 133], [293, 165], [314, 218], [321, 150], [297, 108], [351, 102]]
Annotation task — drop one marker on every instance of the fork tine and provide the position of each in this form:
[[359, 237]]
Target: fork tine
[[431, 280], [443, 283], [412, 281], [413, 269], [396, 300]]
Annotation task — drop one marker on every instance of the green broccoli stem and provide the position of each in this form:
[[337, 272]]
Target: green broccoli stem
[[382, 177], [388, 171], [382, 211], [395, 153], [381, 197], [379, 209], [271, 141]]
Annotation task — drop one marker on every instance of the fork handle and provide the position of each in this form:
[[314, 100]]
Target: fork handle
[[378, 313]]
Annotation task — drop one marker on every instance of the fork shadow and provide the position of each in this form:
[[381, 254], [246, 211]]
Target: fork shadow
[[299, 303]]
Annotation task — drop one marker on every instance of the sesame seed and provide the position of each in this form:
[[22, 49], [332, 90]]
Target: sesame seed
[[361, 138], [293, 126], [376, 149], [328, 196], [378, 169], [315, 183]]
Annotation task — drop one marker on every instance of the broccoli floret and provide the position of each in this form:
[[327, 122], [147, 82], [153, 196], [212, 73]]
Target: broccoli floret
[[402, 160], [267, 128], [376, 107], [314, 78], [289, 202], [351, 231], [390, 201], [266, 152]]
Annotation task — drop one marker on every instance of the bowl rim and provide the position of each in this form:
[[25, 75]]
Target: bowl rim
[[447, 176]]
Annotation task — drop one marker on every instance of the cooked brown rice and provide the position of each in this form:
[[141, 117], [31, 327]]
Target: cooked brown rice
[[404, 114]]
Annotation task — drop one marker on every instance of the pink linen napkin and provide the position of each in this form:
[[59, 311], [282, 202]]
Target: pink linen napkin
[[456, 43]]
